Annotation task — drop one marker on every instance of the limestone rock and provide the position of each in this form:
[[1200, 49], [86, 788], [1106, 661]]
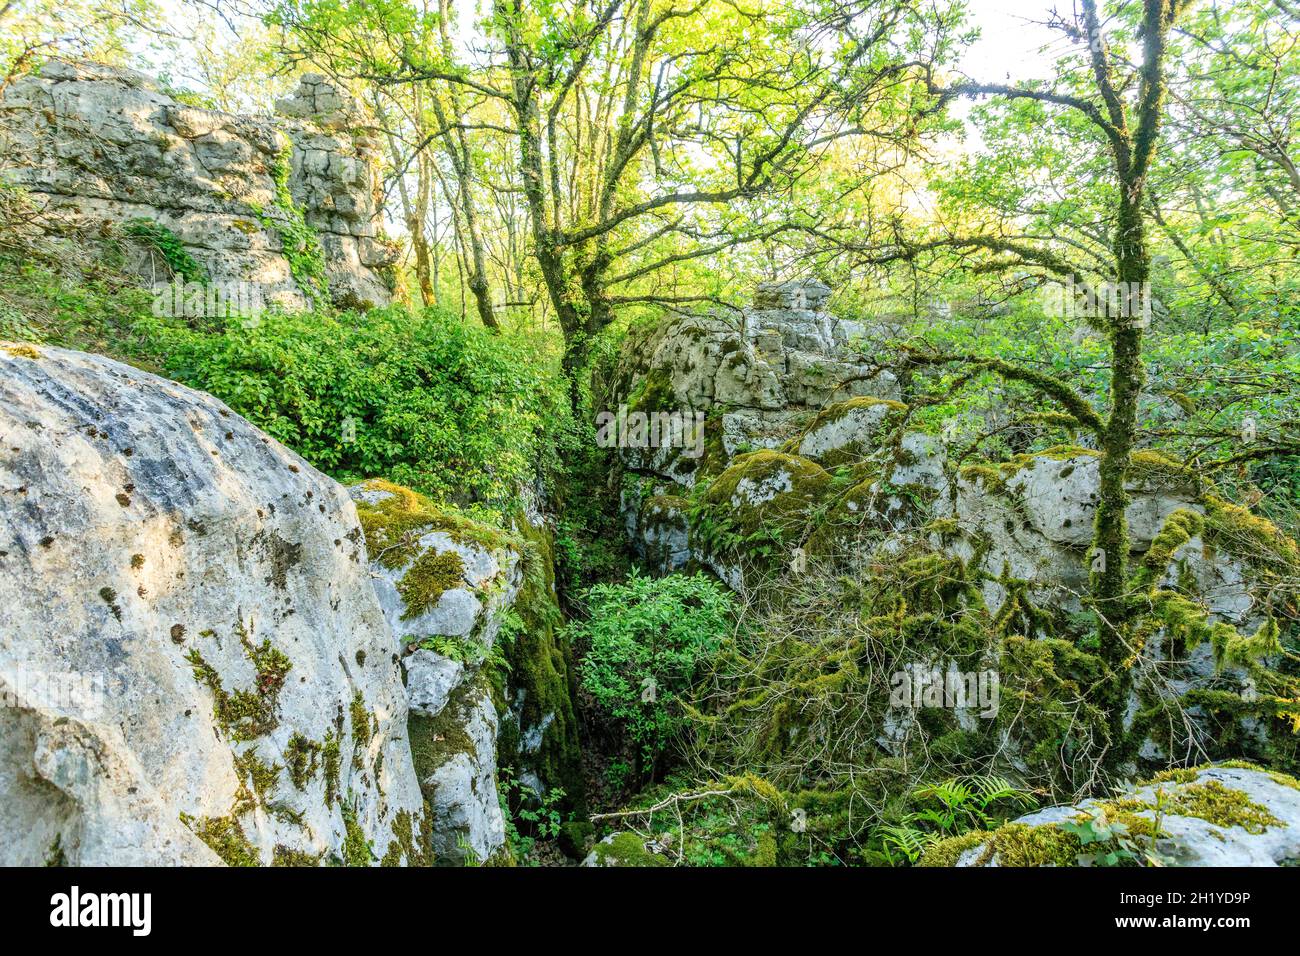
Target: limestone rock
[[430, 679], [99, 147], [623, 849], [851, 426], [446, 584], [434, 579], [1214, 816], [198, 666], [456, 758]]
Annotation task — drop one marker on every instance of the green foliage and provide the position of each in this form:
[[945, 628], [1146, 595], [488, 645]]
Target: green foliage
[[1110, 840], [949, 809], [645, 641], [299, 241], [537, 817], [169, 246], [426, 400]]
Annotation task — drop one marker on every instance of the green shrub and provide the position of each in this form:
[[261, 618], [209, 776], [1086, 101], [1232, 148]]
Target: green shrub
[[646, 639], [427, 401], [169, 246]]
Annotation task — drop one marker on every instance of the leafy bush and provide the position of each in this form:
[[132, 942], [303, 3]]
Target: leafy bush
[[427, 401], [646, 639], [169, 246]]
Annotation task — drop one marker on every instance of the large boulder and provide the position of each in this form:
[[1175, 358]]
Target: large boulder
[[1230, 815], [197, 667], [456, 759]]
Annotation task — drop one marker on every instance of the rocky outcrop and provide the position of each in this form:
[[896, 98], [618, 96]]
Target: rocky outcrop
[[286, 209], [759, 378], [1230, 815], [798, 477], [448, 585], [195, 664], [776, 431]]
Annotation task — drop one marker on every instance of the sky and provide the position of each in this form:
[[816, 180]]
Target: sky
[[1013, 44]]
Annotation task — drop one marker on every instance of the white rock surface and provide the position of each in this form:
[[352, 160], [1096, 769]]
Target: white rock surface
[[857, 426], [430, 679], [142, 522], [1059, 497], [462, 790], [102, 145], [1192, 841]]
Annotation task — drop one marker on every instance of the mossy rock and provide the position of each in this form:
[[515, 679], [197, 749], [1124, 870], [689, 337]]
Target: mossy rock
[[542, 682], [1213, 815], [623, 849], [394, 517], [847, 431], [759, 507]]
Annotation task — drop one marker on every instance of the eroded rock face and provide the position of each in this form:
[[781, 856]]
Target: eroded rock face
[[446, 585], [762, 376], [99, 147], [204, 592], [456, 757], [786, 380], [1214, 816]]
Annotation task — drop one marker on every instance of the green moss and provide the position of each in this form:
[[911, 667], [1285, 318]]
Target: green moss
[[575, 838], [285, 856], [948, 852], [394, 524], [992, 477], [1221, 805], [264, 776], [225, 837], [331, 760], [301, 245], [725, 521], [1018, 844], [1256, 540], [410, 841], [1156, 469], [356, 848], [1285, 779], [432, 574], [543, 681], [363, 729], [654, 393], [109, 597], [302, 756], [245, 714], [626, 849], [435, 740], [894, 412], [55, 856]]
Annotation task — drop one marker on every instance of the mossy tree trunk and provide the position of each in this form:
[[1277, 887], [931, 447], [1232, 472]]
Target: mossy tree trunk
[[1132, 132]]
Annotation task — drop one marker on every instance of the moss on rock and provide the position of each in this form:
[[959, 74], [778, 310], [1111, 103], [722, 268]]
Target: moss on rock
[[626, 849], [394, 523], [758, 507]]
